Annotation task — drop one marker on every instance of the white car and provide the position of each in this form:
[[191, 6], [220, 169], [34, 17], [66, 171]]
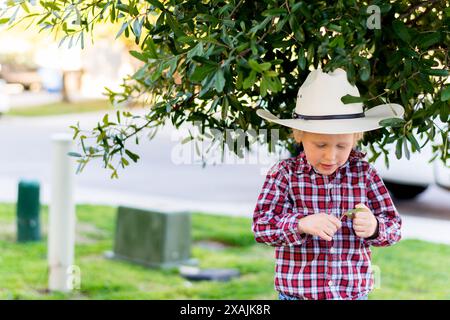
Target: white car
[[405, 178], [4, 98]]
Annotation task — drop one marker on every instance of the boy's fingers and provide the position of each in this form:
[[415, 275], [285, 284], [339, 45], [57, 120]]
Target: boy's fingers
[[363, 212], [324, 236], [332, 226], [330, 229], [335, 221], [359, 228], [359, 220], [360, 234], [361, 215], [361, 206]]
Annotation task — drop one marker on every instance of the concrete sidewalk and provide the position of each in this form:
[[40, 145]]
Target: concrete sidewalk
[[414, 227]]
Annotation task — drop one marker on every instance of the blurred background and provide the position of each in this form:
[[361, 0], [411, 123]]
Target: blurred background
[[44, 89]]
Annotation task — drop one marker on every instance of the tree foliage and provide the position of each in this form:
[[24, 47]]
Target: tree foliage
[[216, 61]]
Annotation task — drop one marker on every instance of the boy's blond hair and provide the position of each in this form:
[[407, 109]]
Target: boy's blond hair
[[297, 135]]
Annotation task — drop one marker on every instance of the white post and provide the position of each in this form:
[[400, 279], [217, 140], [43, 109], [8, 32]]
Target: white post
[[61, 231]]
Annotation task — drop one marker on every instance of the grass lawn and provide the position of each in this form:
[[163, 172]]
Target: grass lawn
[[409, 270], [58, 108]]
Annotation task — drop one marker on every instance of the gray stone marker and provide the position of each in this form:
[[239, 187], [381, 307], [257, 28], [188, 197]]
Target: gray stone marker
[[153, 238]]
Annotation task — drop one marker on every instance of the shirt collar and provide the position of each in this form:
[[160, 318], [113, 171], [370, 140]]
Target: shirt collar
[[306, 167]]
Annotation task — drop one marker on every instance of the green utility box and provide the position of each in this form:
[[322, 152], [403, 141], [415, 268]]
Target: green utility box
[[28, 209], [153, 238]]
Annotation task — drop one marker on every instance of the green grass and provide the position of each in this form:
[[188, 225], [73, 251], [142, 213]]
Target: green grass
[[409, 270], [59, 108]]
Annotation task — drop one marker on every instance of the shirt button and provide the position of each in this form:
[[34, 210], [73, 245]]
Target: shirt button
[[330, 283], [332, 250]]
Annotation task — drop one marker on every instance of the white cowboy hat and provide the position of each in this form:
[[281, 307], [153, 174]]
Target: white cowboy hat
[[319, 108]]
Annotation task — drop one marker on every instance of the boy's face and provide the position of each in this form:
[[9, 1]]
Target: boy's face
[[327, 152]]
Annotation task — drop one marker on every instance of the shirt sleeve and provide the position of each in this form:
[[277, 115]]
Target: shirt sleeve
[[275, 220], [382, 206]]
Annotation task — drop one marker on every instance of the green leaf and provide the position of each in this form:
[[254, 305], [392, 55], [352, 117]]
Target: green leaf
[[429, 40], [281, 23], [301, 59], [401, 31], [337, 41], [254, 65], [74, 154], [112, 14], [151, 48], [405, 149], [239, 80], [304, 10], [220, 81], [175, 26], [25, 7], [157, 4], [436, 72], [350, 213], [264, 86], [203, 60], [444, 112], [132, 155], [201, 72], [123, 7], [270, 74], [50, 5], [225, 106], [396, 85], [139, 55], [260, 25], [398, 148], [137, 28], [347, 99], [105, 119], [364, 73], [122, 29], [335, 27], [274, 12], [141, 73], [197, 50], [187, 139], [265, 66], [259, 67], [413, 141], [392, 122], [310, 54], [242, 47], [250, 80], [125, 162], [445, 94], [187, 39], [207, 84]]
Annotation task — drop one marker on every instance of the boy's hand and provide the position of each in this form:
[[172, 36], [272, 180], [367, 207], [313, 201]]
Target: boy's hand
[[364, 222], [319, 224]]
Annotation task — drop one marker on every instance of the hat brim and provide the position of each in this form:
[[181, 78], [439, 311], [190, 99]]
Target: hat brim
[[370, 122]]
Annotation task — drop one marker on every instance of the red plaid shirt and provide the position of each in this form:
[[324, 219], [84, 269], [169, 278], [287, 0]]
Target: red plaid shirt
[[307, 266]]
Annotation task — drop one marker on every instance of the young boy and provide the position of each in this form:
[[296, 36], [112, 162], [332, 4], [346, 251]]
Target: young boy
[[322, 253]]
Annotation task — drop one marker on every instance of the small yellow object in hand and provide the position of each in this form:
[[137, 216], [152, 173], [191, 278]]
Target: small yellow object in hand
[[351, 212]]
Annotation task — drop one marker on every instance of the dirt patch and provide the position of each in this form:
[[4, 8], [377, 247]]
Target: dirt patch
[[85, 233], [211, 245], [8, 231]]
